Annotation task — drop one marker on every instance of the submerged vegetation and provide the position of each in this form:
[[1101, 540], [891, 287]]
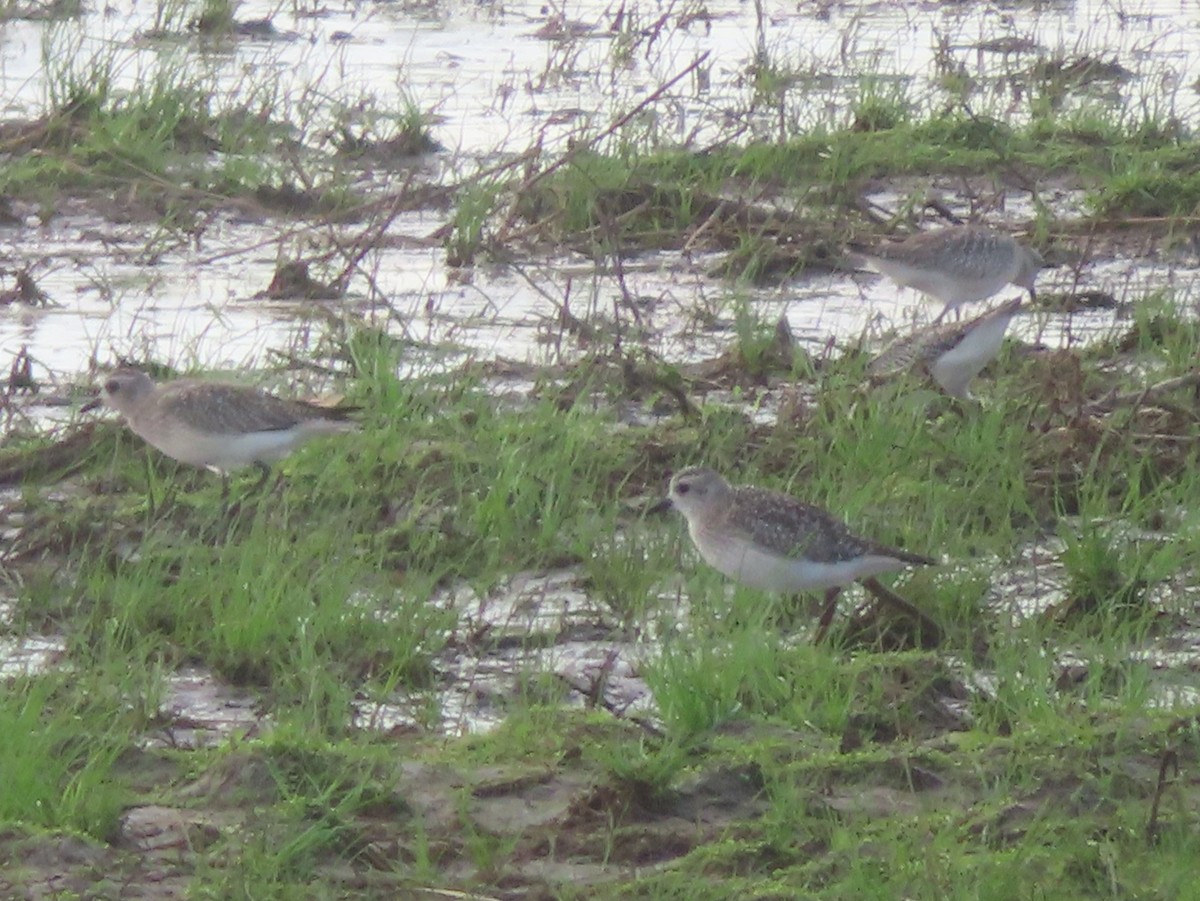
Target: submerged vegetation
[[454, 655]]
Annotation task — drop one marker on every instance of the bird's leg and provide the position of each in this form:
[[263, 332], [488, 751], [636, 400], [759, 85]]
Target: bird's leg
[[264, 473], [151, 504], [894, 600], [941, 316], [831, 596], [231, 507]]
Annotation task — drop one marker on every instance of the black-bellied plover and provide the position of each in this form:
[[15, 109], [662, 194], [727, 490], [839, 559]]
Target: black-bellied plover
[[773, 542], [953, 353], [956, 265], [217, 425]]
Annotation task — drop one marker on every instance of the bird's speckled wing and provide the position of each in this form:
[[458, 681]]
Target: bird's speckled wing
[[930, 343], [908, 350], [233, 409], [792, 528], [964, 252]]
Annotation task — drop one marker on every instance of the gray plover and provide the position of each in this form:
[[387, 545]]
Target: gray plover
[[952, 354], [217, 425], [957, 265], [773, 542]]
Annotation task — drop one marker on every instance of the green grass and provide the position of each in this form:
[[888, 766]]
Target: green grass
[[1020, 758], [989, 767], [787, 205], [59, 775], [176, 142]]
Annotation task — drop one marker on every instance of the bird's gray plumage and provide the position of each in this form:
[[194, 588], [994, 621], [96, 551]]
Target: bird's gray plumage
[[964, 251], [956, 265], [785, 525], [216, 424], [219, 407], [933, 349]]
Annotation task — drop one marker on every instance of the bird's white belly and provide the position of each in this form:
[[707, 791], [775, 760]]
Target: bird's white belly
[[950, 289], [223, 452], [954, 369], [755, 567]]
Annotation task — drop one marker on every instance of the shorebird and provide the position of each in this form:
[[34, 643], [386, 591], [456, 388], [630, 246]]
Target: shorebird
[[956, 265], [951, 354], [217, 425], [774, 542]]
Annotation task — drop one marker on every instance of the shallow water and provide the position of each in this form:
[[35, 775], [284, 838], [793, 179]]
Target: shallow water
[[201, 711], [537, 632], [542, 635], [498, 88]]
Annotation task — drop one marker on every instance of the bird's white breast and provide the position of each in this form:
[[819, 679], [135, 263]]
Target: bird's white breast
[[227, 452], [954, 369], [751, 565]]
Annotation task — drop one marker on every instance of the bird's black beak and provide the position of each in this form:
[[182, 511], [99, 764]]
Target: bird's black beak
[[660, 506], [93, 404]]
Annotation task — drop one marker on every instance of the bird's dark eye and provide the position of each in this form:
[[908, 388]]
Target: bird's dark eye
[[112, 386], [683, 488]]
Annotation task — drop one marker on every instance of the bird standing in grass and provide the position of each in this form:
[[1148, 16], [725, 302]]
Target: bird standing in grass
[[217, 425], [773, 542]]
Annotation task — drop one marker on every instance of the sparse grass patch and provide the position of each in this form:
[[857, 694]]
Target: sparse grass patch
[[283, 600], [57, 775], [362, 131], [467, 234], [1108, 576], [758, 201], [214, 18], [1158, 185], [880, 106], [172, 141]]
